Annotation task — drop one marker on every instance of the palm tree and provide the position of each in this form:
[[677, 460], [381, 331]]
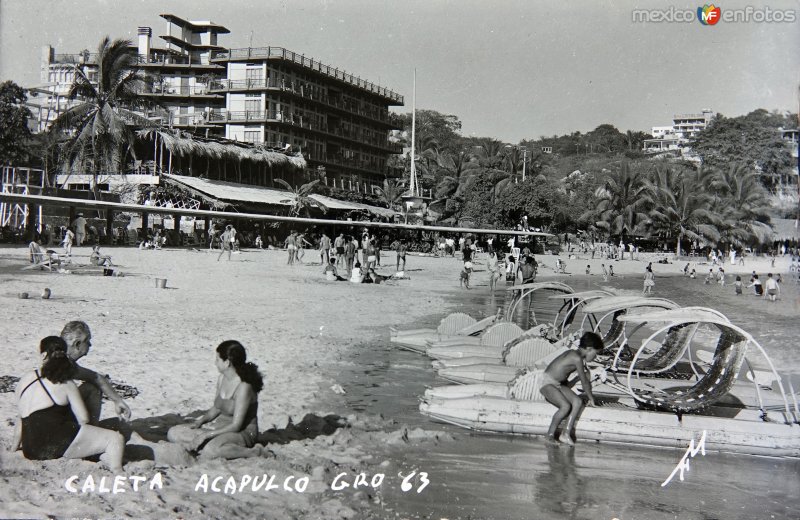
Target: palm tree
[[300, 198], [101, 126], [680, 207], [392, 192], [621, 201], [744, 206]]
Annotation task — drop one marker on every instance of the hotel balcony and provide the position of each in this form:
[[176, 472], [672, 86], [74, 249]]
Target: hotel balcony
[[76, 59], [282, 54], [307, 94], [174, 61], [176, 91], [261, 116]]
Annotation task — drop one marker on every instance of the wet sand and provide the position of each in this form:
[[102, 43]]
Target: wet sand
[[307, 335], [510, 477]]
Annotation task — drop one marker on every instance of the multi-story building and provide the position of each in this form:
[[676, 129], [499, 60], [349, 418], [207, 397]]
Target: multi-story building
[[268, 96], [675, 138], [284, 99]]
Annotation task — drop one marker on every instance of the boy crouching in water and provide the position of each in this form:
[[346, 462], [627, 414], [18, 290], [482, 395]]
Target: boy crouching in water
[[557, 391]]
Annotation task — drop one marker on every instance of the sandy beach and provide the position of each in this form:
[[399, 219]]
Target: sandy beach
[[300, 330]]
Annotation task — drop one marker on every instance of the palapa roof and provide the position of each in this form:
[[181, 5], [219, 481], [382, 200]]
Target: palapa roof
[[231, 192], [221, 149], [785, 229]]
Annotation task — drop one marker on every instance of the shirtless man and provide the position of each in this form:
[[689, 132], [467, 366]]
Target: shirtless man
[[324, 249], [78, 338], [557, 391]]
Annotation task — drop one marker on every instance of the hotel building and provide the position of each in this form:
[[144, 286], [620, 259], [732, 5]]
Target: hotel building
[[267, 96], [674, 138]]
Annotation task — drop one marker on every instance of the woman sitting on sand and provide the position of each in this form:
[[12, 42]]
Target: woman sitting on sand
[[235, 411], [97, 258], [54, 420]]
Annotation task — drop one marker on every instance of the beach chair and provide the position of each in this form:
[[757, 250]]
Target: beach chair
[[41, 259]]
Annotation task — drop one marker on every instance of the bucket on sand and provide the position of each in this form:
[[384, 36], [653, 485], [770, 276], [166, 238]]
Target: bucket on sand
[[161, 283]]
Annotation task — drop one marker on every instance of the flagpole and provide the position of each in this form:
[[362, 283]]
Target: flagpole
[[413, 175]]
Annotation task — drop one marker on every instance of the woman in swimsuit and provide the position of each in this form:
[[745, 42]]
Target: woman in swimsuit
[[54, 420], [234, 429]]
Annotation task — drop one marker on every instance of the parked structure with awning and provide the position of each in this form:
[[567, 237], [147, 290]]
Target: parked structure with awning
[[223, 193]]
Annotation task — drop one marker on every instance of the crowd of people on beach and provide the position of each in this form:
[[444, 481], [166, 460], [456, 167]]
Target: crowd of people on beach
[[59, 419]]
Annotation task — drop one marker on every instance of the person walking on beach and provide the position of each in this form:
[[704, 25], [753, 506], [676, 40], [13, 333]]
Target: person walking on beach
[[227, 244], [605, 272], [556, 390], [67, 242], [79, 225], [371, 257], [212, 234], [772, 287], [324, 249], [338, 245], [234, 239], [402, 249], [299, 242], [493, 267], [649, 281], [349, 253], [721, 277], [290, 246]]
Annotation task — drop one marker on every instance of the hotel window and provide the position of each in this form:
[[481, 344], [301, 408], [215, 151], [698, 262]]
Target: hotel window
[[254, 76], [252, 136], [252, 104]]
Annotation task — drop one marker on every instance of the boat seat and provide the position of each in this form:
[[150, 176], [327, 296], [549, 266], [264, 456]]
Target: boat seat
[[501, 333], [715, 383], [526, 353], [525, 387], [672, 349], [454, 323], [615, 332]]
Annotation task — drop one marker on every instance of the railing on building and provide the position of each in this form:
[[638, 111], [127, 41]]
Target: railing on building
[[80, 58], [311, 94], [23, 181], [178, 90], [301, 122], [171, 59], [285, 54]]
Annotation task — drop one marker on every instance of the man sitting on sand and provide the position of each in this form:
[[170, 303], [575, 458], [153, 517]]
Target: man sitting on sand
[[78, 338], [556, 389], [330, 272]]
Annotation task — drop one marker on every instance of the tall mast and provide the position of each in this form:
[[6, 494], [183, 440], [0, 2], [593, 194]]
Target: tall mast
[[413, 176]]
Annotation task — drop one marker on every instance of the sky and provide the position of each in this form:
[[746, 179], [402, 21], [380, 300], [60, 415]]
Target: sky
[[507, 69]]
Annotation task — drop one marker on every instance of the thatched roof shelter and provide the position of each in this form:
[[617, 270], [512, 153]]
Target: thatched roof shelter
[[221, 149]]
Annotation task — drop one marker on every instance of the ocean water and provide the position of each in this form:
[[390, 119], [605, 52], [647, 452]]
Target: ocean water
[[483, 476]]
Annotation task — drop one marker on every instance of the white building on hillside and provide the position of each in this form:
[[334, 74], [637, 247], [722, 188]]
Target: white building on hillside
[[674, 138]]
